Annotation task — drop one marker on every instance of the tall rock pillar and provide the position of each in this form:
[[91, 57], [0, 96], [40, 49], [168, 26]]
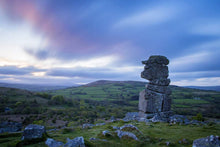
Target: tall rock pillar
[[155, 97]]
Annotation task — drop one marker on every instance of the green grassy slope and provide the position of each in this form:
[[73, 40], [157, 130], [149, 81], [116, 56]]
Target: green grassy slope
[[153, 135], [185, 100]]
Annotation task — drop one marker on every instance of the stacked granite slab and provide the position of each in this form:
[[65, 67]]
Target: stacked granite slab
[[155, 97]]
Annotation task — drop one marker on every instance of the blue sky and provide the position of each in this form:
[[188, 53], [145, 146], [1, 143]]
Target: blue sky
[[75, 42]]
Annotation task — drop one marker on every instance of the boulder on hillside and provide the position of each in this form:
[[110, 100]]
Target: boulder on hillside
[[76, 142], [122, 134], [53, 143], [33, 132], [209, 141]]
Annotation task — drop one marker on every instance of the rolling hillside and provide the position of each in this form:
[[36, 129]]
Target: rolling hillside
[[185, 100]]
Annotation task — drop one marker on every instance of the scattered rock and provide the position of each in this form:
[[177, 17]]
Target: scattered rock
[[179, 119], [209, 141], [161, 117], [33, 132], [97, 139], [183, 141], [10, 127], [131, 116], [76, 142], [116, 128], [86, 126], [129, 126], [126, 134], [100, 124], [53, 143], [106, 133], [167, 143]]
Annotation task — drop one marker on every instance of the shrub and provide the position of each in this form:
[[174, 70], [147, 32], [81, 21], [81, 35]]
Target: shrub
[[199, 117]]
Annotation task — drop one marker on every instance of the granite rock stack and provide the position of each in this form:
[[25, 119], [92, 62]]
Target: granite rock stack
[[155, 97]]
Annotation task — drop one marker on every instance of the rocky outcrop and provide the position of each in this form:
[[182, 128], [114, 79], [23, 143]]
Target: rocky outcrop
[[122, 134], [210, 141], [10, 127], [179, 119], [76, 142], [33, 132], [155, 97], [53, 143], [131, 116]]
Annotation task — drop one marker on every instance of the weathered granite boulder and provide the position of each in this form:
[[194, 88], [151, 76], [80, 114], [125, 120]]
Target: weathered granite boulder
[[155, 98], [33, 132], [210, 141], [76, 142], [122, 134], [53, 143], [10, 127]]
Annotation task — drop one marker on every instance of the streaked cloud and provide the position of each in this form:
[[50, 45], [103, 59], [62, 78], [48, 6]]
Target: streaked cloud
[[203, 28], [82, 41], [213, 81], [151, 16]]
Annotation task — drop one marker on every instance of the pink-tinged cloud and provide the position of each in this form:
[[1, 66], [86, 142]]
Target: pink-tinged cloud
[[61, 38]]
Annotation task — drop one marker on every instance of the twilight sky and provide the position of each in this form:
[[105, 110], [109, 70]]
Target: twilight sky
[[66, 42]]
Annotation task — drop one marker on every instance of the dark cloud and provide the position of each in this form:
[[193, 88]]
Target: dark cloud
[[14, 70], [39, 54], [93, 73]]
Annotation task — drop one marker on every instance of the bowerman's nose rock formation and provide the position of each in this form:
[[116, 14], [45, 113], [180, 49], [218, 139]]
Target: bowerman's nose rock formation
[[155, 97]]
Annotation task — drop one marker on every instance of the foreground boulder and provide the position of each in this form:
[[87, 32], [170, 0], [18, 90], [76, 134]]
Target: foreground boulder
[[10, 127], [122, 134], [76, 142], [53, 143], [33, 132], [210, 141]]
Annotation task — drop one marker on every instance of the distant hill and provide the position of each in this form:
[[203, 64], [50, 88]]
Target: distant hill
[[105, 82], [33, 87], [126, 93], [214, 88]]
